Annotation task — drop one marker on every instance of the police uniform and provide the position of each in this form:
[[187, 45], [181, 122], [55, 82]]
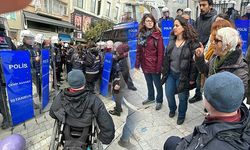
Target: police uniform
[[5, 43]]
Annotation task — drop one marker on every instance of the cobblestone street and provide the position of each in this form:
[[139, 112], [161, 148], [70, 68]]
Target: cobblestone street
[[151, 130]]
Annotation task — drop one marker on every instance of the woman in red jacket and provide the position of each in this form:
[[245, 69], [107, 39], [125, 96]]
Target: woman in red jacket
[[149, 57]]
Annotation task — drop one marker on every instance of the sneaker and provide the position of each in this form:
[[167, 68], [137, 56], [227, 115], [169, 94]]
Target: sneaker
[[180, 121], [158, 106], [171, 114], [126, 144], [132, 88], [147, 102], [115, 112], [195, 99]]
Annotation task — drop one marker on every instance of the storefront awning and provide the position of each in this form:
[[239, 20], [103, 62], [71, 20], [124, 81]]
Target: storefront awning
[[41, 19], [64, 37]]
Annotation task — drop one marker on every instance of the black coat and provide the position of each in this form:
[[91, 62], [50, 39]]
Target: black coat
[[203, 25], [234, 63], [33, 54], [217, 135], [187, 66], [5, 42], [78, 62], [80, 107]]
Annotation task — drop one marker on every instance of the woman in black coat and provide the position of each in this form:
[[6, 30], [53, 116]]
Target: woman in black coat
[[178, 67]]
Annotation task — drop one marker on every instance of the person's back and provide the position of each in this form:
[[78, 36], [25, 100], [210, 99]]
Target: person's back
[[80, 106], [227, 125], [220, 135], [77, 61], [95, 67]]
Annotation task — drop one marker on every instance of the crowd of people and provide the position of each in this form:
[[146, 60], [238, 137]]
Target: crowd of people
[[202, 54]]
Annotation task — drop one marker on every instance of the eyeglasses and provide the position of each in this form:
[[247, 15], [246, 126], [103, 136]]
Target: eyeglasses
[[216, 41], [149, 21]]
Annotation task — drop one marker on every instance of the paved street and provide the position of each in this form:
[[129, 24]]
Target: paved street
[[151, 130]]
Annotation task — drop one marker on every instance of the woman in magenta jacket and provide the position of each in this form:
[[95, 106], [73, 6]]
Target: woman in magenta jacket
[[149, 57]]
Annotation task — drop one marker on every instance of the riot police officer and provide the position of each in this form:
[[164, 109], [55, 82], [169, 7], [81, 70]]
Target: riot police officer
[[5, 43], [28, 41]]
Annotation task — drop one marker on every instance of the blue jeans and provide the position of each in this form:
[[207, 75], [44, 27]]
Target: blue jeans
[[171, 87], [156, 79], [129, 127]]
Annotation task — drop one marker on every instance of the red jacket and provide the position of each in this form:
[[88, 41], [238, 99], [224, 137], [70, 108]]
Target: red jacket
[[150, 58]]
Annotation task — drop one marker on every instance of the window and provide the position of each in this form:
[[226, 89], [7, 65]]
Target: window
[[65, 12], [108, 9], [10, 16], [99, 7], [56, 7], [75, 3], [93, 4], [63, 9], [116, 13], [78, 3], [46, 6]]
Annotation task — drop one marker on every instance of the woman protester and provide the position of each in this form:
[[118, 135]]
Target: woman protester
[[149, 57], [178, 74], [227, 56]]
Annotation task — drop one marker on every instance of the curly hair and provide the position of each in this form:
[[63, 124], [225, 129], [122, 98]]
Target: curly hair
[[189, 31]]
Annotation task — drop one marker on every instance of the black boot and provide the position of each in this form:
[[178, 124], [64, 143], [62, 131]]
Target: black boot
[[133, 88], [5, 124], [195, 99], [115, 112]]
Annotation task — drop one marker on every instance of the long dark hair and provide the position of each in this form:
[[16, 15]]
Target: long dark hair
[[189, 31], [142, 27]]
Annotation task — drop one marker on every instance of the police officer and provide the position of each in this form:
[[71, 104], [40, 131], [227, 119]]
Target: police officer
[[165, 16], [69, 54], [5, 43], [28, 41]]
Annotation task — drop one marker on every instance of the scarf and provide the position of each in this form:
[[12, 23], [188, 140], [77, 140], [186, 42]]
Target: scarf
[[142, 39], [218, 62], [209, 52]]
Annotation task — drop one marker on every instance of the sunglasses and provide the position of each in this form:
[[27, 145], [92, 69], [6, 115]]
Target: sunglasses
[[216, 41]]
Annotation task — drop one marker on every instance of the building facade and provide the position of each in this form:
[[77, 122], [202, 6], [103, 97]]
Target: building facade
[[47, 17], [85, 13]]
